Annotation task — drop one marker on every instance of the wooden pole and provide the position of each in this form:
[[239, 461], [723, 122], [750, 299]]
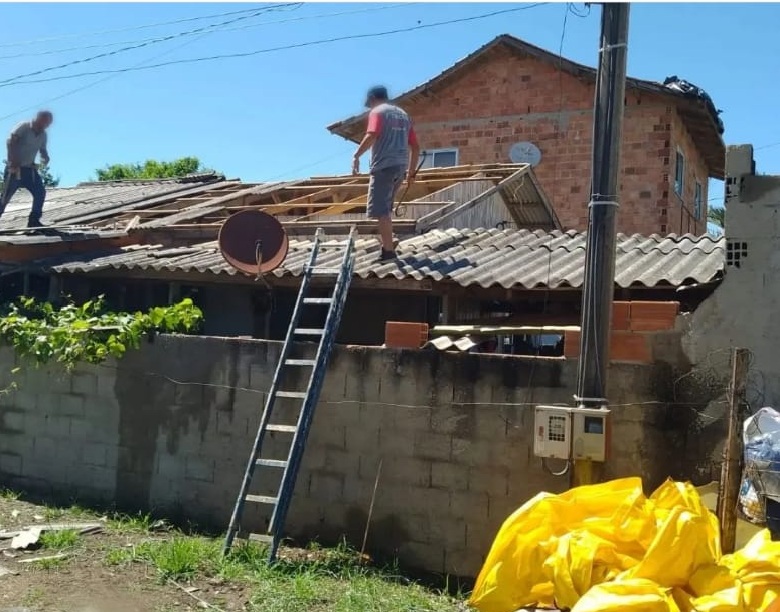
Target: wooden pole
[[731, 472]]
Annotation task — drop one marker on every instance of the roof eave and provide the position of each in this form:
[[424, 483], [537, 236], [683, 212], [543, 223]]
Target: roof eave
[[715, 154]]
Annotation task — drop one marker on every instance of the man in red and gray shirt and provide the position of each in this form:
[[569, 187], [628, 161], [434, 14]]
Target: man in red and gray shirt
[[391, 137]]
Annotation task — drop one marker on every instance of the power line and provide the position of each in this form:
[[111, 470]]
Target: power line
[[767, 146], [238, 28], [129, 29], [282, 47], [107, 78], [151, 42]]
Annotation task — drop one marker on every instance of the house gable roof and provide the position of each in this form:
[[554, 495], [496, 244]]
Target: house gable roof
[[696, 111]]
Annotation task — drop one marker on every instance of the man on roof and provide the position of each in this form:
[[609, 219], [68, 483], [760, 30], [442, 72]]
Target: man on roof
[[27, 139], [390, 136]]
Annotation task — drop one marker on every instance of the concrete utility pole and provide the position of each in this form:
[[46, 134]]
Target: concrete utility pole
[[599, 284]]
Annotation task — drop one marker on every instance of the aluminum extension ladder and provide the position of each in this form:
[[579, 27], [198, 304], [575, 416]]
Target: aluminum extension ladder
[[306, 400]]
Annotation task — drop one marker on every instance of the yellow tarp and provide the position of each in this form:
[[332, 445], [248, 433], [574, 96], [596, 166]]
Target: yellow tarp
[[608, 547]]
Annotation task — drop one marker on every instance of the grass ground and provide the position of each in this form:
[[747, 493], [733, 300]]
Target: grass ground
[[136, 565]]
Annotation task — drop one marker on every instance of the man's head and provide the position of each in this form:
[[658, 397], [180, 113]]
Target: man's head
[[43, 119], [375, 96]]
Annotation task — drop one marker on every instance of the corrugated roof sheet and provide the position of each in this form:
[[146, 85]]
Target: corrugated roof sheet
[[481, 257], [67, 203]]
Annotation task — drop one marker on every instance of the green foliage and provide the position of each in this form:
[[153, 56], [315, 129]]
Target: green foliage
[[60, 539], [151, 169], [48, 177], [717, 216], [90, 333]]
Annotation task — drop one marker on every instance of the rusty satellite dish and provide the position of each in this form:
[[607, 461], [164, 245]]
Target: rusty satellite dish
[[253, 242]]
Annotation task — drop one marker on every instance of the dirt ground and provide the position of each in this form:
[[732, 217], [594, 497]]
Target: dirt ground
[[86, 562], [82, 581]]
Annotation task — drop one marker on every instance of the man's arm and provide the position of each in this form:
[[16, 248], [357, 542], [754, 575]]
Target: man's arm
[[414, 156], [10, 144], [374, 127], [44, 150]]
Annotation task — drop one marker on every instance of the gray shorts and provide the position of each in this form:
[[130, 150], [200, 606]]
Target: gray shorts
[[382, 186]]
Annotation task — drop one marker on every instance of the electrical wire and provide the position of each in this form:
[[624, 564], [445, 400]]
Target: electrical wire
[[106, 78], [546, 300], [236, 29], [149, 42], [128, 29], [282, 47]]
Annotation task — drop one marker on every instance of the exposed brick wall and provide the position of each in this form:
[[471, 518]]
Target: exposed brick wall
[[681, 218], [170, 427], [482, 114]]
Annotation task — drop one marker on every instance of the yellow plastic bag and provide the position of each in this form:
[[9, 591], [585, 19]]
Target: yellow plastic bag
[[636, 595], [514, 574]]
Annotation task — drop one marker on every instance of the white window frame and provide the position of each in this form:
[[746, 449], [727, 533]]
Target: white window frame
[[430, 156], [679, 156], [698, 196]]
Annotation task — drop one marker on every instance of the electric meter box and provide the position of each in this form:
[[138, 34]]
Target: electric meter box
[[562, 432], [590, 436], [552, 432]]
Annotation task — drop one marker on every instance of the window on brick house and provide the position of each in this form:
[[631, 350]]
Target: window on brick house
[[439, 158], [697, 201], [679, 173]]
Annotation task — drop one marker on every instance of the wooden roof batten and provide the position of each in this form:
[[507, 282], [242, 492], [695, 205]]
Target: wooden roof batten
[[334, 202]]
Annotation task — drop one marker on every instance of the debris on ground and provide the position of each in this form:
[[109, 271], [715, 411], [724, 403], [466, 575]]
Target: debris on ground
[[56, 557], [608, 547], [28, 537]]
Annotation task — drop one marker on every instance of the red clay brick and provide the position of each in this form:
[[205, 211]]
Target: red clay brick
[[624, 346], [400, 334], [621, 316], [506, 99], [653, 316], [571, 344], [629, 347]]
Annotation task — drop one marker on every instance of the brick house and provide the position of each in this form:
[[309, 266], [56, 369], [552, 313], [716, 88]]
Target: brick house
[[512, 96]]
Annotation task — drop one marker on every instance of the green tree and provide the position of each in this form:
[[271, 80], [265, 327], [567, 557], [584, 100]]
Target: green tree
[[46, 175], [717, 216], [48, 178], [151, 169]]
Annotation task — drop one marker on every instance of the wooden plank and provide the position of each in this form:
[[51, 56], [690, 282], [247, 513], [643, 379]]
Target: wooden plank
[[731, 471], [440, 215], [139, 204]]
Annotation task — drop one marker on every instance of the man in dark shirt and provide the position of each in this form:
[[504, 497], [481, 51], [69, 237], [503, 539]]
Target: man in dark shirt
[[390, 136]]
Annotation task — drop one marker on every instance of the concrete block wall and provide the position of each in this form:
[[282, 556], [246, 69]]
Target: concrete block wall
[[169, 428], [481, 114]]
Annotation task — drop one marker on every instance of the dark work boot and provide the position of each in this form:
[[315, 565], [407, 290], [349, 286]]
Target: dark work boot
[[387, 255], [34, 223]]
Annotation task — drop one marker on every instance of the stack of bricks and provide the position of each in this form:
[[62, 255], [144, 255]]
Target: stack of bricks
[[400, 334], [633, 324]]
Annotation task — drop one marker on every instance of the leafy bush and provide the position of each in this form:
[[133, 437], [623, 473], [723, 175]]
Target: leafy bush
[[72, 334]]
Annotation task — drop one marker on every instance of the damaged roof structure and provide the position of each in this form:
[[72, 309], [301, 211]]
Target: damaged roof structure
[[487, 226], [473, 234]]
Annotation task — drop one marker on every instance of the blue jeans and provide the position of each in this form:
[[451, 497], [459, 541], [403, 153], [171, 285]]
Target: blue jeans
[[32, 182]]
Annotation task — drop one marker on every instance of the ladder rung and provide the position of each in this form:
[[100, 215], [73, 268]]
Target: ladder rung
[[271, 463], [300, 362], [326, 271], [305, 331], [282, 428], [294, 394], [262, 499], [317, 300], [261, 537]]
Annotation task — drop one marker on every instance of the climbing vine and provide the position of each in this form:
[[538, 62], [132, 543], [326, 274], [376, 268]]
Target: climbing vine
[[87, 332]]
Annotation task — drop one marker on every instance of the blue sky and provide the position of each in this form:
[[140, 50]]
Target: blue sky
[[264, 116]]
